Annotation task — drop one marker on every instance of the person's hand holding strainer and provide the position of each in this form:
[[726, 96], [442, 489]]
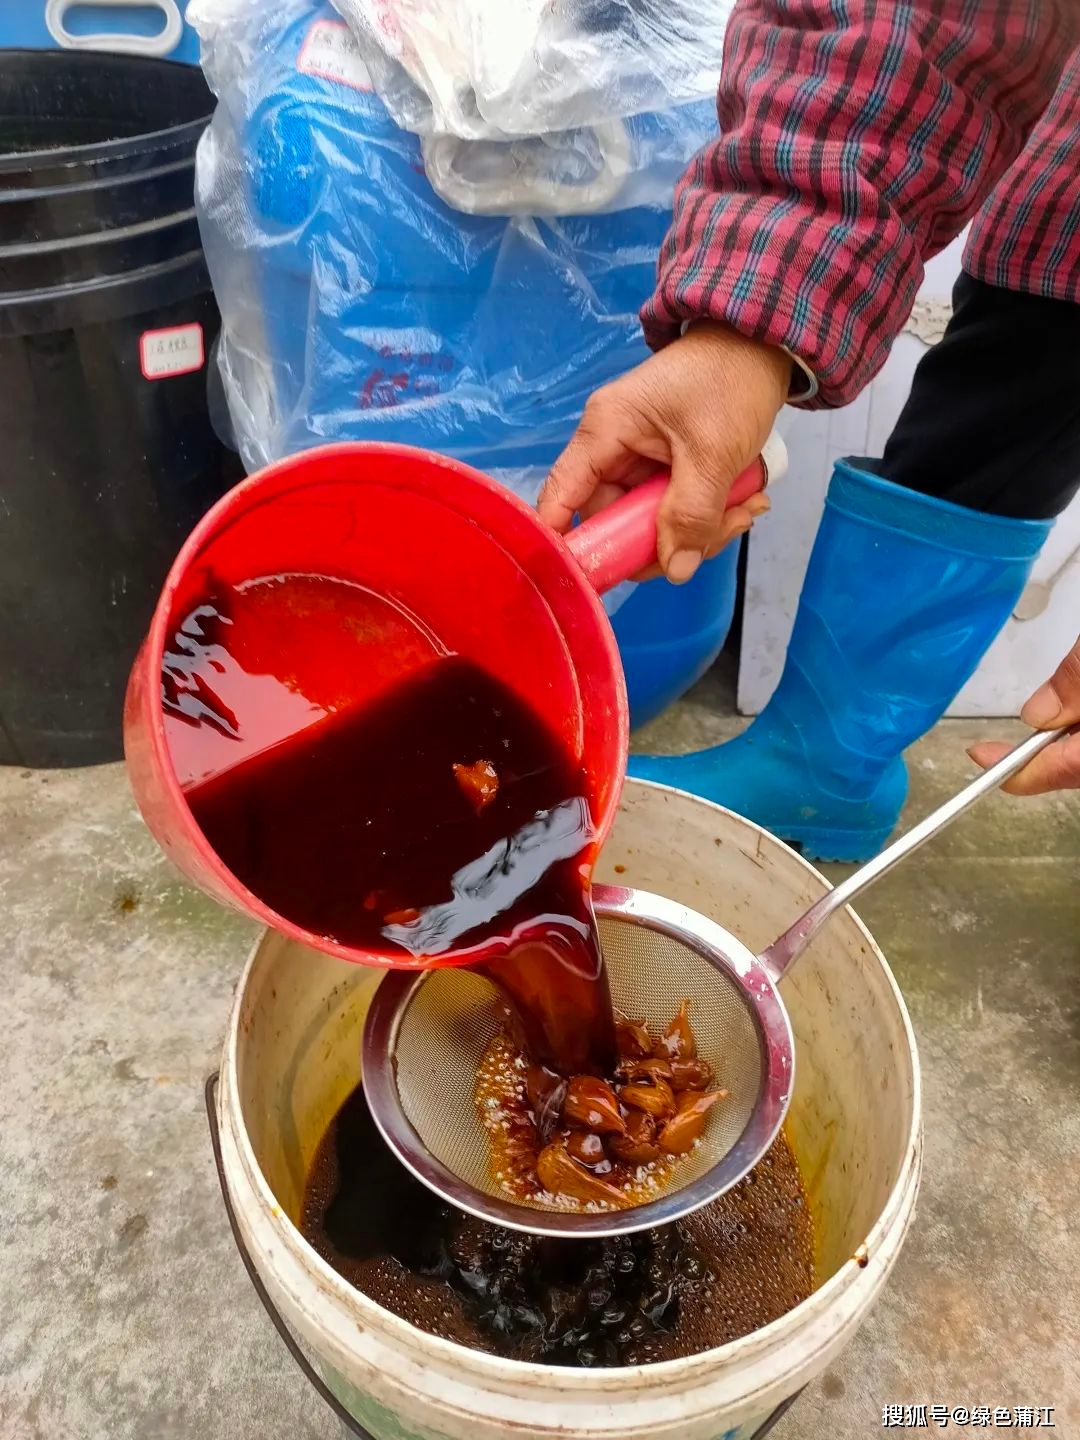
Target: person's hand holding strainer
[[1054, 705]]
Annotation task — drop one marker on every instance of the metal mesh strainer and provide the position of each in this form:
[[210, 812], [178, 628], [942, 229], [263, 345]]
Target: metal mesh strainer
[[437, 1025], [427, 1031]]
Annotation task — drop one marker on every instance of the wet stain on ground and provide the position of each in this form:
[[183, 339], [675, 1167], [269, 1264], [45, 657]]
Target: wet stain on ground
[[133, 1228], [126, 900]]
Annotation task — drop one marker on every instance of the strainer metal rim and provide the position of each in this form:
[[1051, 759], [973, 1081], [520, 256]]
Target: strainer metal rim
[[706, 938]]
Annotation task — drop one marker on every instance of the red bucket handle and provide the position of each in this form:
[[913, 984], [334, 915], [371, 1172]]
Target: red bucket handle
[[620, 541]]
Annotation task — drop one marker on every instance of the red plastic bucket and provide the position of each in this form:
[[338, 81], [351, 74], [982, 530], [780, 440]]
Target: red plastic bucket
[[448, 545]]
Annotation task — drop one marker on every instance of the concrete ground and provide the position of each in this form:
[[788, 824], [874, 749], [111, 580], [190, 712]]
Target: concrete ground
[[125, 1312]]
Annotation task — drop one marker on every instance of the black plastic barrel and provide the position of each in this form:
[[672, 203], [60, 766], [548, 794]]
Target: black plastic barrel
[[107, 452]]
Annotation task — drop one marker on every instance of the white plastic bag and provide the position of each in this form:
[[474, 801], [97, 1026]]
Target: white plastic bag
[[498, 68]]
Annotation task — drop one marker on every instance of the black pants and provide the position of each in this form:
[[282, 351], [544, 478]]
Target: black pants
[[993, 419]]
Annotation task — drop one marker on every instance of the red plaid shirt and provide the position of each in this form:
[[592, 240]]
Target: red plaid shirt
[[858, 137]]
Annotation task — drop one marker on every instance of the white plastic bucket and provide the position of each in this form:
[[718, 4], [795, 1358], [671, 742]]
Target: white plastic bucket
[[292, 1057]]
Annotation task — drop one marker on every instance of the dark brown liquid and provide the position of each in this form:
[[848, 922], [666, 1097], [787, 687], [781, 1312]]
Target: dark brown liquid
[[360, 826], [740, 1263]]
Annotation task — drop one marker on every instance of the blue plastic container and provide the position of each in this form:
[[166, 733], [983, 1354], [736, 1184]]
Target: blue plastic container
[[415, 300], [22, 25], [669, 635], [372, 294]]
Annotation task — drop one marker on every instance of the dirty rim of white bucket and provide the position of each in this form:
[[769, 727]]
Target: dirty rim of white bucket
[[739, 1372]]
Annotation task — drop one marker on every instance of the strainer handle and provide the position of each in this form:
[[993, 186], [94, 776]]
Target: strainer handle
[[784, 951]]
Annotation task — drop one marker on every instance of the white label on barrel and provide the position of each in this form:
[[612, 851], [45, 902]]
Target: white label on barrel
[[330, 51], [177, 350]]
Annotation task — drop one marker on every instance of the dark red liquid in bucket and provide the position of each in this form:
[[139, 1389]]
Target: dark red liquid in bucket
[[439, 814]]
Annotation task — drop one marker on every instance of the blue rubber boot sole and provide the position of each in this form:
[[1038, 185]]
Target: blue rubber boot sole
[[903, 596]]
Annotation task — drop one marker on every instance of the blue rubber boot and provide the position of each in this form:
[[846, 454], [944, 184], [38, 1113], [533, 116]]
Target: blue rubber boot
[[902, 598]]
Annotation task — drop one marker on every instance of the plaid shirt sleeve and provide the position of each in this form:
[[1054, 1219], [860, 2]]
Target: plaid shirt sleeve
[[1027, 236], [857, 139]]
